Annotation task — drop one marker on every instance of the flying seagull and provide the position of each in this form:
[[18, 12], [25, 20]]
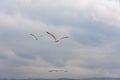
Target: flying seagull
[[55, 39], [34, 36], [57, 70]]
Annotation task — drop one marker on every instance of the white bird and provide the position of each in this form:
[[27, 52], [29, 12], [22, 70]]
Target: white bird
[[34, 36], [56, 70], [55, 39]]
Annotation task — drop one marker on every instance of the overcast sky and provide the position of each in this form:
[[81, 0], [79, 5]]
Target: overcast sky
[[92, 49]]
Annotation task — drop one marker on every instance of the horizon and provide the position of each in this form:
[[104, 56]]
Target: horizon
[[67, 78]]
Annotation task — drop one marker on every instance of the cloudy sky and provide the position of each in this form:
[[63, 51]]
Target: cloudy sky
[[93, 49]]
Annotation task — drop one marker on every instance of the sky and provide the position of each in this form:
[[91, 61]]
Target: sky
[[92, 49]]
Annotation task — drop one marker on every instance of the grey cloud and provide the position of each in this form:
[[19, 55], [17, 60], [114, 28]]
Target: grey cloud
[[87, 28], [94, 34], [59, 12], [66, 13], [27, 47], [9, 69]]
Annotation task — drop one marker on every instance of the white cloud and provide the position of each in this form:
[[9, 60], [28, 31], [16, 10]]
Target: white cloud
[[20, 22], [69, 11], [106, 12]]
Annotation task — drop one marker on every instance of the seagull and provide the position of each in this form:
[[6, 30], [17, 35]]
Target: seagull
[[55, 39], [57, 70], [34, 36]]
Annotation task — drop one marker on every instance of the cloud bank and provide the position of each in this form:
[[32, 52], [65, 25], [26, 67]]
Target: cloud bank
[[91, 51]]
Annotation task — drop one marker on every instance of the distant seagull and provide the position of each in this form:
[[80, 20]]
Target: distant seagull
[[55, 39], [34, 36], [57, 70]]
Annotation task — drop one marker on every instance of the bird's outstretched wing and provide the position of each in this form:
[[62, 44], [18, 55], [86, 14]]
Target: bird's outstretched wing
[[34, 36], [64, 37], [52, 36]]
